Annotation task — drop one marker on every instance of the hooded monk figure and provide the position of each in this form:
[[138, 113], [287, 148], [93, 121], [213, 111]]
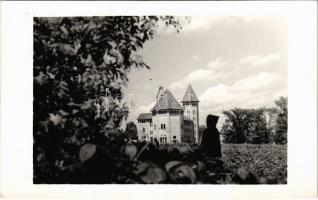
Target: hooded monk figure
[[210, 144]]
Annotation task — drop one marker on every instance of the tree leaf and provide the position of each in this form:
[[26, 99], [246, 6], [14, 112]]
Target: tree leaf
[[55, 119], [141, 167], [154, 174], [183, 174], [130, 150], [87, 151], [172, 164]]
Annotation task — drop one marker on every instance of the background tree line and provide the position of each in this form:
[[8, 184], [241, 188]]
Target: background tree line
[[257, 125]]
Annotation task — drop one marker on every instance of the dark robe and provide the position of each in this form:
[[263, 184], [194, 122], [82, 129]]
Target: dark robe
[[210, 144]]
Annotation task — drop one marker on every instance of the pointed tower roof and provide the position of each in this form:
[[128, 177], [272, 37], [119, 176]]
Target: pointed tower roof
[[167, 102], [190, 95]]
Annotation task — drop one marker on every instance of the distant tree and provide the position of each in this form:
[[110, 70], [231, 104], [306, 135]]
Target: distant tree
[[201, 130], [257, 130], [270, 117], [256, 126], [245, 126], [131, 131], [228, 132], [281, 121], [235, 126]]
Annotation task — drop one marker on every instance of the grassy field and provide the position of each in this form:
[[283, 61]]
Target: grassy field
[[267, 160]]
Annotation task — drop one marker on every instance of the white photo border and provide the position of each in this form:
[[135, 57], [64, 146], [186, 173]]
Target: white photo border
[[17, 98]]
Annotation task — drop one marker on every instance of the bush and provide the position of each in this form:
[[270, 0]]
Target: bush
[[75, 60], [267, 160]]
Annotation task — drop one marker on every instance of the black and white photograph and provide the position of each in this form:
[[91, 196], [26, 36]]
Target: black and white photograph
[[160, 100]]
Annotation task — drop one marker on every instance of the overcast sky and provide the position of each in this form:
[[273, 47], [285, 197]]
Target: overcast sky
[[229, 61]]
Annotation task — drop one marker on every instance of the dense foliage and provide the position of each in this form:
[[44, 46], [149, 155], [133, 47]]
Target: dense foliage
[[256, 125], [131, 130], [201, 131], [147, 163], [280, 134], [266, 160], [75, 60]]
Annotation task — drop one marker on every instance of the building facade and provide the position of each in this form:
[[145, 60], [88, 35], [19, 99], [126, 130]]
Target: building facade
[[168, 121]]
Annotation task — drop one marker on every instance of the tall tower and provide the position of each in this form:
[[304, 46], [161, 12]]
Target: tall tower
[[190, 103]]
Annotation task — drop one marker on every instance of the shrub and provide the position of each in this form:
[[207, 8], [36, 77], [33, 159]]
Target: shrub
[[75, 60], [267, 160]]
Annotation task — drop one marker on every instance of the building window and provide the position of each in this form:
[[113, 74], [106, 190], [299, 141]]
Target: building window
[[163, 126], [174, 139], [163, 140], [151, 139], [150, 132], [193, 112], [143, 129], [154, 126], [194, 118], [150, 124]]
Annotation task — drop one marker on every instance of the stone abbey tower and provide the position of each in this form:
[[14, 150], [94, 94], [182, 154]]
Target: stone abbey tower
[[190, 103]]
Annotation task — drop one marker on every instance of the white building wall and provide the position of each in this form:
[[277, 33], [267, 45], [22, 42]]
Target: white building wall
[[173, 126], [144, 126], [176, 127], [157, 120]]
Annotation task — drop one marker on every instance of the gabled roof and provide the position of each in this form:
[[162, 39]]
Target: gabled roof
[[145, 116], [167, 102], [190, 95]]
